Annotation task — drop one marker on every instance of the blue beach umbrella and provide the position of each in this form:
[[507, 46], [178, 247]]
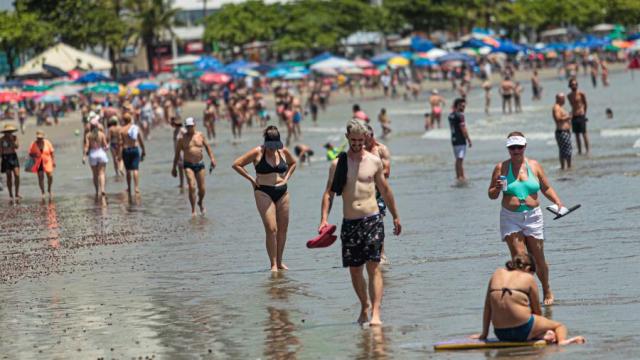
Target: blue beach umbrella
[[92, 77], [208, 63], [383, 58], [148, 86]]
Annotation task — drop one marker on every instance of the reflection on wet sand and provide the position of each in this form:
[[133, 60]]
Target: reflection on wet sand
[[373, 344], [281, 340]]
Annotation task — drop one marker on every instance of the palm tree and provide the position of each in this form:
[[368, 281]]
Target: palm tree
[[153, 17]]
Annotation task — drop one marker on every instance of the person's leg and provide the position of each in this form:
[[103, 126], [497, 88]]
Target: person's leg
[[516, 244], [202, 190], [16, 182], [191, 184], [102, 169], [375, 291], [96, 185], [585, 135], [49, 183], [267, 210], [116, 163], [535, 247], [282, 219], [568, 162], [541, 325], [360, 286], [510, 107], [129, 182], [504, 105], [41, 182], [181, 176], [136, 181], [579, 143], [460, 169]]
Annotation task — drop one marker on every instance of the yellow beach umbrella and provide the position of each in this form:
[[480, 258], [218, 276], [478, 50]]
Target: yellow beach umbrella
[[398, 61]]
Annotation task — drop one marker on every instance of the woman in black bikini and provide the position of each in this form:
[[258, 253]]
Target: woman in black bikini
[[274, 166]]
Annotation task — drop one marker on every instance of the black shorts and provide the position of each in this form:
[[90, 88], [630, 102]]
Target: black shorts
[[131, 158], [579, 124], [563, 138], [506, 97], [9, 162], [362, 240]]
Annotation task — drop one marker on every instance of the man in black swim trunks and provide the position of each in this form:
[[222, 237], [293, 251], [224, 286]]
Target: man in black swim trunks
[[578, 101], [355, 175], [10, 164], [191, 145]]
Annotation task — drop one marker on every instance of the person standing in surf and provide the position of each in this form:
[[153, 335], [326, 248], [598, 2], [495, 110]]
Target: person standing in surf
[[521, 223], [578, 101], [130, 139], [459, 136], [563, 131], [355, 175]]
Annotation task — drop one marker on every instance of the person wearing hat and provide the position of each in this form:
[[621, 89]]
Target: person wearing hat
[[274, 166], [190, 146], [113, 138], [42, 153], [131, 140], [10, 164], [436, 101], [521, 224]]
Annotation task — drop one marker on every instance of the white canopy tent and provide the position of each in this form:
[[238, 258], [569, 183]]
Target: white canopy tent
[[65, 58]]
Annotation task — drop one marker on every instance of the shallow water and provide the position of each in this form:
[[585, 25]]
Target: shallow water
[[81, 280]]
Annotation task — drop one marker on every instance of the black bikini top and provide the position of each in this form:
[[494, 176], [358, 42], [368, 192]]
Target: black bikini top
[[263, 167]]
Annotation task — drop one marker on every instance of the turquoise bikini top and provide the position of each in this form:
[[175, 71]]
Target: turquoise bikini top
[[522, 189]]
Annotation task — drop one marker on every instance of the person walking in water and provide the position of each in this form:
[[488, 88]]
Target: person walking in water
[[355, 175], [512, 305], [578, 101], [95, 145], [436, 101], [190, 145], [521, 223], [10, 165], [506, 90], [113, 138], [130, 139], [459, 136], [563, 131], [41, 151], [274, 166]]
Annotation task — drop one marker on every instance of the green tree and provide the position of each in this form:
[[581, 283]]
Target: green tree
[[153, 18], [20, 32]]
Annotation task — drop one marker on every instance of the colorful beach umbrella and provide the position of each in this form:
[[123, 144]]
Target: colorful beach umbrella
[[215, 78], [398, 61], [92, 77], [148, 86], [371, 72], [363, 63]]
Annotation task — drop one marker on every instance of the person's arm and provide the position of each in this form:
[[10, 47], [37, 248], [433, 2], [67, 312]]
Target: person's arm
[[495, 186], [534, 297], [244, 160], [486, 315], [465, 132], [387, 195], [53, 157], [16, 143], [545, 186], [291, 163], [327, 197], [85, 148], [385, 156], [141, 142], [584, 99], [176, 157], [207, 147]]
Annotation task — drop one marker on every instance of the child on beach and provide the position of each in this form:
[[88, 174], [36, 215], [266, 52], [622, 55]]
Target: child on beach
[[383, 118]]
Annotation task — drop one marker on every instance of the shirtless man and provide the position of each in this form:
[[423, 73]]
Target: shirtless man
[[437, 103], [578, 102], [8, 146], [355, 176], [191, 145], [536, 89], [130, 139], [486, 85], [178, 132], [210, 120], [563, 131], [506, 90]]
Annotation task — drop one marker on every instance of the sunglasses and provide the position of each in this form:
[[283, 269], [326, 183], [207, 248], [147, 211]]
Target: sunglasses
[[516, 147]]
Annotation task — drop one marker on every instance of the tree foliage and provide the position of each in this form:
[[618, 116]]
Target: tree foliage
[[21, 32]]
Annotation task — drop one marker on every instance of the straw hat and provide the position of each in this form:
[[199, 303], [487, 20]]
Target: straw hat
[[9, 128], [39, 134]]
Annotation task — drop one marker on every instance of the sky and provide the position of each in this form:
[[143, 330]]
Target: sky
[[6, 4]]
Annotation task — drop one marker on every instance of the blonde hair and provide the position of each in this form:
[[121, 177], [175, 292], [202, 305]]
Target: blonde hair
[[356, 127]]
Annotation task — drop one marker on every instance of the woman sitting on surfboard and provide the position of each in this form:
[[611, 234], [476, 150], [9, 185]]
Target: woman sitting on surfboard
[[513, 306], [521, 224]]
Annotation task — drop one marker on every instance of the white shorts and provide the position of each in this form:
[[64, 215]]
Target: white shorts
[[459, 151], [529, 223], [97, 156]]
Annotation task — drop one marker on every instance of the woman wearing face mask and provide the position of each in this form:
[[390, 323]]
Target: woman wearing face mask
[[274, 166], [521, 224], [95, 145]]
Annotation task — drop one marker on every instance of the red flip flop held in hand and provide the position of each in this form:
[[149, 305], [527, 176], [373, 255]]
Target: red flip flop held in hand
[[324, 239]]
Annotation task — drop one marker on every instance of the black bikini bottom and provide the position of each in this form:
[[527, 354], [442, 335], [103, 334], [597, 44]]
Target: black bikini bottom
[[274, 192]]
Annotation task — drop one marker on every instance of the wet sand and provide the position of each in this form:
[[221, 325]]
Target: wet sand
[[82, 280]]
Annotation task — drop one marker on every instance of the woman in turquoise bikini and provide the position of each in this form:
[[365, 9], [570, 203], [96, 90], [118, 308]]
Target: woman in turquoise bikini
[[521, 224]]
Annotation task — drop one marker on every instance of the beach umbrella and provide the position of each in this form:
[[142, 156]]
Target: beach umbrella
[[92, 77], [103, 88], [208, 63], [454, 56], [185, 59], [333, 63], [371, 72], [488, 40], [128, 91], [74, 74], [68, 89], [246, 72], [468, 51], [148, 86], [133, 76], [165, 76], [324, 56], [237, 65], [485, 50], [294, 76], [420, 44], [163, 91], [435, 53], [363, 63], [9, 96], [215, 78], [263, 68], [398, 61], [383, 58], [29, 94], [51, 98], [326, 71], [54, 70], [352, 71], [12, 84], [277, 73], [39, 88], [424, 62], [172, 85]]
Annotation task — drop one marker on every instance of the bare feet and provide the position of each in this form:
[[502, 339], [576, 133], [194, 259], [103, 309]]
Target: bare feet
[[574, 340], [193, 213], [375, 318], [548, 298], [137, 191], [282, 266], [201, 206], [384, 260], [364, 315], [274, 268]]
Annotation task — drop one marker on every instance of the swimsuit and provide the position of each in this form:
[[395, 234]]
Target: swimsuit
[[524, 219], [97, 157], [437, 110], [362, 240], [579, 124], [563, 138], [195, 167], [131, 158], [516, 333], [522, 189], [9, 162], [263, 167]]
